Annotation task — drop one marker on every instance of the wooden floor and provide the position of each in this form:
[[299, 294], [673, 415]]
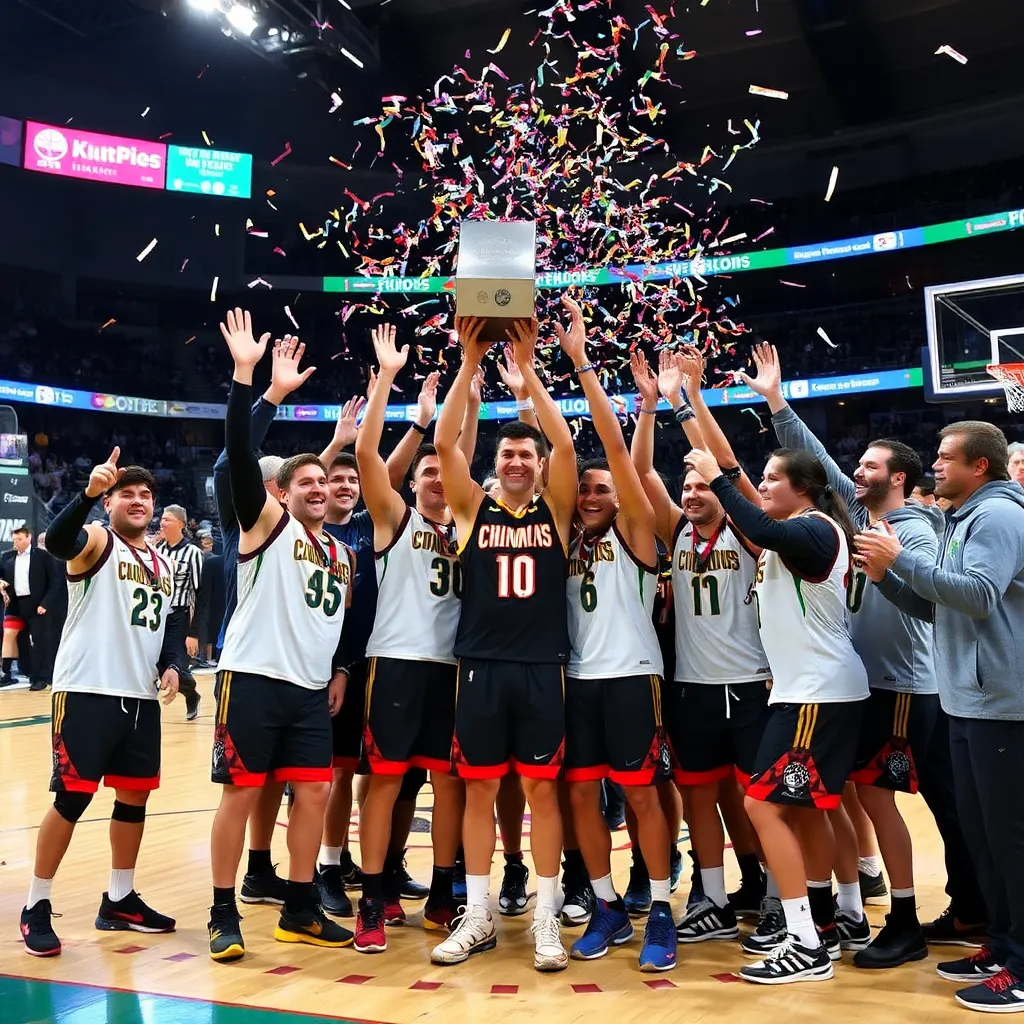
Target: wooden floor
[[400, 986]]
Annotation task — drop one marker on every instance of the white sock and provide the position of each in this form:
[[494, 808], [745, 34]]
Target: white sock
[[604, 889], [713, 880], [661, 890], [849, 900], [901, 894], [329, 855], [477, 888], [121, 883], [548, 894], [38, 890], [800, 923], [771, 886], [869, 865]]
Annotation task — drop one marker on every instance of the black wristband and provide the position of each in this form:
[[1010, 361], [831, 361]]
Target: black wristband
[[731, 474], [684, 412], [87, 501], [419, 430]]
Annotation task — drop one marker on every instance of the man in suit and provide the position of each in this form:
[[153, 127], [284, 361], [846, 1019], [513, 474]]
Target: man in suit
[[32, 584]]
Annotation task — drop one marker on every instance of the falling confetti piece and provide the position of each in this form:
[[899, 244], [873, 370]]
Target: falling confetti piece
[[757, 416], [501, 44], [950, 52], [206, 138], [145, 112], [772, 94], [108, 324], [753, 32], [259, 280], [213, 290], [791, 284], [335, 102], [833, 178], [216, 230], [286, 152], [288, 313], [188, 341], [145, 252], [825, 338], [184, 264]]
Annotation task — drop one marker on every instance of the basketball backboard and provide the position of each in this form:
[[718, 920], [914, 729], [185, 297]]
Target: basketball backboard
[[971, 325]]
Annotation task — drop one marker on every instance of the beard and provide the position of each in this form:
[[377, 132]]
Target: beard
[[875, 493]]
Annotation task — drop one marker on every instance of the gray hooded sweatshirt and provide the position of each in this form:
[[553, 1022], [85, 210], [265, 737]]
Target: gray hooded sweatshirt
[[896, 647], [975, 596]]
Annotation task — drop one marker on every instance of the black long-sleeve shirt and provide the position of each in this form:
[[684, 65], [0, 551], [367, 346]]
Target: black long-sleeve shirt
[[807, 544]]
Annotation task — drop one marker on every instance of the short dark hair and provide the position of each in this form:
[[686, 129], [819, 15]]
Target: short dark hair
[[588, 464], [20, 529], [134, 475], [902, 459], [424, 451], [516, 430], [344, 459], [293, 465], [926, 485], [982, 441]]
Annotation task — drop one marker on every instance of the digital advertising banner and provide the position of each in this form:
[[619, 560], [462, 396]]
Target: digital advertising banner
[[212, 172], [10, 141]]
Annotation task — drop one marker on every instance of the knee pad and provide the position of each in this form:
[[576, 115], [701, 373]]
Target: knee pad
[[412, 782], [71, 806], [134, 814]]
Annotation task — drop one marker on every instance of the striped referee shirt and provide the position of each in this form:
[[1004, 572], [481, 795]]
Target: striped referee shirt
[[187, 562]]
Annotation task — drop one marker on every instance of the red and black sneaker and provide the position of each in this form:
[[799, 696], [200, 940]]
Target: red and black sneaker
[[393, 912], [131, 914], [36, 930], [439, 914], [370, 934]]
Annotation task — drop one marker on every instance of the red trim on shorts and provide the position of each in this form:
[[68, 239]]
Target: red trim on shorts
[[741, 777], [865, 776], [490, 771], [349, 764], [79, 785], [760, 790], [431, 764], [535, 771], [641, 777], [685, 778], [594, 774], [14, 623], [380, 766], [247, 779], [303, 774], [124, 782]]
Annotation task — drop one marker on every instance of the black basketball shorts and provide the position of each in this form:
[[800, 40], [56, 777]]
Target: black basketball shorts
[[102, 736], [509, 715], [347, 724], [269, 727], [410, 715], [895, 726], [716, 730], [614, 730], [806, 754]]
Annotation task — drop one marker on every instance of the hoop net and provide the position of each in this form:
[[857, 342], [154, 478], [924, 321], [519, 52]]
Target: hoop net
[[1011, 376]]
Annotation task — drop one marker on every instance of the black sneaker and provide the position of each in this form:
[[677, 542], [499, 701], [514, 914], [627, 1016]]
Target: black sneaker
[[408, 887], [513, 898], [974, 968], [896, 944], [351, 874], [746, 900], [853, 934], [264, 887], [789, 962], [675, 869], [459, 882], [579, 899], [8, 680], [770, 930], [696, 894], [36, 930], [331, 887], [192, 706], [948, 930], [707, 921], [873, 890], [131, 914], [226, 942], [1002, 993], [313, 928], [831, 941], [638, 893]]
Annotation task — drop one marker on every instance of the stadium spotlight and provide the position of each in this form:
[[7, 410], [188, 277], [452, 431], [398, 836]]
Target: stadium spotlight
[[242, 19], [206, 6]]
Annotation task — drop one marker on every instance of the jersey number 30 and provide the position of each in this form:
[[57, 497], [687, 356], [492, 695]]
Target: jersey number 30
[[319, 595], [448, 577], [148, 607], [517, 575]]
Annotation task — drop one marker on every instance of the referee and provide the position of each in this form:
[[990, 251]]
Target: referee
[[187, 562]]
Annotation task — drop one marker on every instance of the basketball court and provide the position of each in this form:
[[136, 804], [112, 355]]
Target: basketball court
[[103, 978]]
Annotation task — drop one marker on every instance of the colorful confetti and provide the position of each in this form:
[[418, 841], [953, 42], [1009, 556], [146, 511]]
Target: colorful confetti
[[145, 252]]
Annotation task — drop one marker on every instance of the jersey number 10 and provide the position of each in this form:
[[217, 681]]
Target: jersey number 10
[[517, 575]]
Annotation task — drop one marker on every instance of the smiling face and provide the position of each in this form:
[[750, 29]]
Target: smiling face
[[427, 486], [306, 495], [779, 499], [700, 506], [130, 509], [596, 501], [344, 492], [874, 483], [518, 467]]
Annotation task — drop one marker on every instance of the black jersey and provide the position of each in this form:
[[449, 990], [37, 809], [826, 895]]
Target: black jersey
[[513, 587]]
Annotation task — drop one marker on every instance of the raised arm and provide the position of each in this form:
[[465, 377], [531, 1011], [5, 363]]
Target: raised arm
[[636, 514], [400, 459], [667, 513], [670, 384], [471, 421], [563, 481], [384, 503], [346, 430], [512, 378], [463, 493]]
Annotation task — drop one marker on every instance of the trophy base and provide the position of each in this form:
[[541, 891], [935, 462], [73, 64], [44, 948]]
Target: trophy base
[[495, 328]]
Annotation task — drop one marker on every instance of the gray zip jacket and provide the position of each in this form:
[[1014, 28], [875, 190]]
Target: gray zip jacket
[[896, 648], [975, 595]]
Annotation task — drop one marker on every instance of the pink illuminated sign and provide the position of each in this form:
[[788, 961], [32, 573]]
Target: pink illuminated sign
[[76, 154]]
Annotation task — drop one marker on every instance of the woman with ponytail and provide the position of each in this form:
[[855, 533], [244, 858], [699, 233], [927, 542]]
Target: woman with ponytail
[[819, 685]]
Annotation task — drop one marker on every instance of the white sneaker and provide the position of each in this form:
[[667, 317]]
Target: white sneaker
[[472, 932], [548, 952]]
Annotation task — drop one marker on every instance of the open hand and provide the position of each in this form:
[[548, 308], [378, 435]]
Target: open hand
[[691, 365], [390, 358], [511, 375], [670, 375], [427, 400], [643, 376], [573, 341], [347, 427], [704, 462], [523, 335], [769, 371], [237, 332], [285, 375]]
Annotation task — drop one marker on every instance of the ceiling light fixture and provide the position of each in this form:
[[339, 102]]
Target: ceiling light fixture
[[242, 19]]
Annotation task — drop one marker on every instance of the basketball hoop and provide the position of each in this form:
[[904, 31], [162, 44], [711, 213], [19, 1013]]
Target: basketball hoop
[[1011, 376]]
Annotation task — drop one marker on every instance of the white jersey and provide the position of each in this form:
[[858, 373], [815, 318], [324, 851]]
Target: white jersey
[[291, 605], [117, 616], [805, 631], [610, 597], [717, 639], [419, 593]]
